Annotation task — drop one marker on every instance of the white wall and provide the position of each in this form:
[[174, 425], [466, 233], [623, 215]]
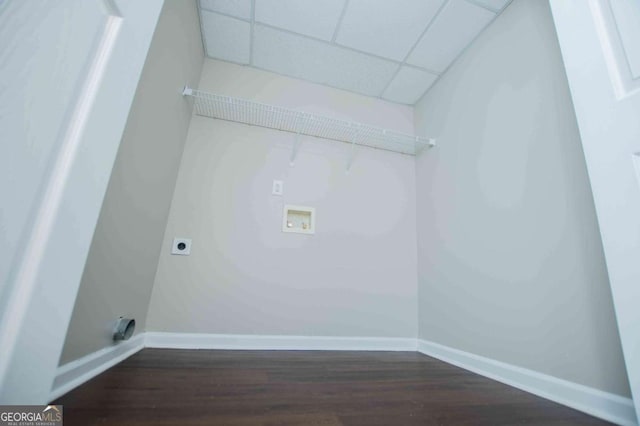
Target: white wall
[[510, 258], [118, 276], [355, 277]]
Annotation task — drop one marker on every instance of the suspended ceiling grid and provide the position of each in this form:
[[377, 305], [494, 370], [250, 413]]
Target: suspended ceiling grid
[[391, 49]]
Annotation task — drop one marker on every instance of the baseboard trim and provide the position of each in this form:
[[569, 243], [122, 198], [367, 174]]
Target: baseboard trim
[[254, 342], [604, 405], [75, 373]]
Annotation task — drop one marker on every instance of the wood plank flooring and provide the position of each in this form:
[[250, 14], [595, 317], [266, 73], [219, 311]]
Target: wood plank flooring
[[316, 388]]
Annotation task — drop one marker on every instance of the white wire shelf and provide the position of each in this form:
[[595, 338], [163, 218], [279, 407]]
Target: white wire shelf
[[304, 123]]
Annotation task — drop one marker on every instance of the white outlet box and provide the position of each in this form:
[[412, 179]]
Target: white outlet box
[[278, 187], [181, 246], [299, 219]]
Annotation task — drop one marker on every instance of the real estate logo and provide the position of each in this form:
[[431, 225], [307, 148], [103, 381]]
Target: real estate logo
[[31, 415]]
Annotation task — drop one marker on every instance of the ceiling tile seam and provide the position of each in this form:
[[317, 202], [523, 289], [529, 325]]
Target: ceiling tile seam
[[458, 56], [231, 61], [252, 21], [251, 31], [371, 55], [315, 82], [204, 39], [405, 64], [436, 74], [228, 15], [429, 24], [504, 7], [399, 64], [308, 81], [393, 77], [308, 37], [340, 19], [483, 6]]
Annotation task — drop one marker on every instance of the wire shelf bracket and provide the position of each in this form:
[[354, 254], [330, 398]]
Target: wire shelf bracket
[[304, 123], [296, 142], [352, 150]]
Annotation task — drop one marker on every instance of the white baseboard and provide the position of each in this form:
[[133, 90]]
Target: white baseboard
[[254, 342], [600, 404], [75, 373]]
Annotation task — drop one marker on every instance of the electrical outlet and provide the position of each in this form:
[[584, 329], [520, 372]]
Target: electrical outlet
[[277, 187], [181, 246]]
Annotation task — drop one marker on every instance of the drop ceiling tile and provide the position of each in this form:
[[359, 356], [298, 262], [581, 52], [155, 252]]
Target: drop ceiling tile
[[237, 8], [454, 28], [408, 86], [226, 38], [315, 18], [385, 28], [320, 62], [496, 5]]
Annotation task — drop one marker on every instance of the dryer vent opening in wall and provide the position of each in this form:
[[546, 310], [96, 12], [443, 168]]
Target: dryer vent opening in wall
[[124, 328]]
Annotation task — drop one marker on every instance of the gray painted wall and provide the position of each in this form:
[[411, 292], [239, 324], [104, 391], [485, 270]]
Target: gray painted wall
[[510, 258], [355, 277], [120, 269]]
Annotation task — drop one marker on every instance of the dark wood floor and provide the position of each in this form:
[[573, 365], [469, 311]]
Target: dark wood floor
[[198, 387]]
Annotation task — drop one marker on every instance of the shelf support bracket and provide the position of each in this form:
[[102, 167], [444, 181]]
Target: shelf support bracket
[[352, 150], [187, 91], [296, 142]]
